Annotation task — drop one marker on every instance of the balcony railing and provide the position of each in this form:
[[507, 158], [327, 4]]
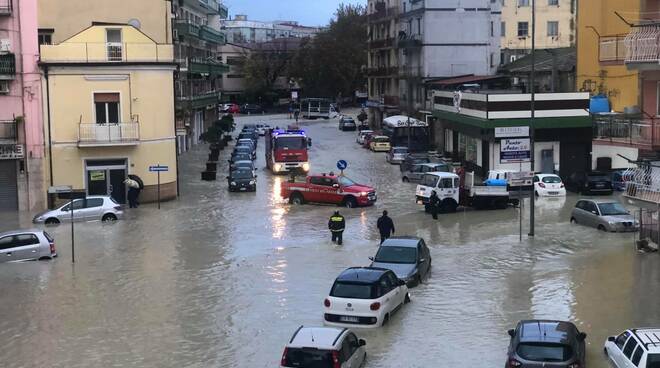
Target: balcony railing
[[632, 131], [223, 11], [185, 28], [380, 44], [382, 71], [383, 14], [410, 41], [643, 45], [113, 134], [7, 66], [6, 7], [8, 131], [87, 52], [643, 183], [211, 35], [612, 49], [207, 66]]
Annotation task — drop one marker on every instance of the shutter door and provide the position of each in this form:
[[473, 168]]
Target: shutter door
[[8, 189]]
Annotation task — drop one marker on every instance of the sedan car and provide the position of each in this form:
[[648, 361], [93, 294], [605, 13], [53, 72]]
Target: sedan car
[[92, 208], [262, 128], [548, 185], [243, 164], [545, 343], [346, 123], [595, 182], [230, 108], [407, 256], [242, 179], [417, 171], [362, 135], [252, 109], [396, 155], [364, 297], [243, 150], [25, 245], [603, 215]]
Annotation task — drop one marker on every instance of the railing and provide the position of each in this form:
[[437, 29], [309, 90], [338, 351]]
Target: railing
[[382, 71], [383, 14], [612, 49], [629, 131], [209, 66], [643, 45], [383, 43], [108, 134], [209, 34], [185, 28], [73, 52], [6, 7], [223, 11], [407, 41], [7, 64], [8, 131], [643, 183]]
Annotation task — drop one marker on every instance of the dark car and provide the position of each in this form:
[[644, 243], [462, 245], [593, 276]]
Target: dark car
[[242, 150], [545, 343], [347, 124], [619, 179], [252, 109], [594, 182], [243, 164], [242, 180], [248, 134], [407, 256]]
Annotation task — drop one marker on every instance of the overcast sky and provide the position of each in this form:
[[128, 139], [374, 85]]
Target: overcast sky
[[307, 12]]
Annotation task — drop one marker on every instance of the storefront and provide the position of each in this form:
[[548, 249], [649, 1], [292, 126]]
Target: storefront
[[10, 161]]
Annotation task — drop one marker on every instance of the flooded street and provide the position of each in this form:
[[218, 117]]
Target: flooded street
[[219, 279]]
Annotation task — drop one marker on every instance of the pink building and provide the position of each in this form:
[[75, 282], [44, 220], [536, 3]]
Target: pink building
[[22, 185]]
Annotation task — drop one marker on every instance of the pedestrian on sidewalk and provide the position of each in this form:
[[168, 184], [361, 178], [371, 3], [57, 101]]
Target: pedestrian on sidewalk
[[336, 226], [434, 202], [385, 227], [133, 192]]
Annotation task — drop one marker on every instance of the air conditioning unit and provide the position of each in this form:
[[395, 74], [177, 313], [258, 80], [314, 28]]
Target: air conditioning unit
[[4, 87]]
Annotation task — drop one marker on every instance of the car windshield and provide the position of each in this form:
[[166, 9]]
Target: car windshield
[[381, 139], [352, 290], [551, 179], [242, 157], [396, 255], [344, 181], [399, 150], [296, 143], [611, 209], [308, 358], [243, 164], [241, 174], [653, 361], [443, 168], [544, 352]]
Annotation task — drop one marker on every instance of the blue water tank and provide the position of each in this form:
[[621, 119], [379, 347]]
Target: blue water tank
[[599, 104]]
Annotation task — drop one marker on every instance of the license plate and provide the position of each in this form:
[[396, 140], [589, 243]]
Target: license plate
[[349, 319], [553, 193], [243, 188]]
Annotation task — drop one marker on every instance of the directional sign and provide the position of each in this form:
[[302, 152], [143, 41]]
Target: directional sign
[[342, 165], [158, 168]]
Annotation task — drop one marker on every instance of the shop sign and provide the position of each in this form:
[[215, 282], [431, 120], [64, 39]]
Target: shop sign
[[97, 175], [515, 150], [11, 151]]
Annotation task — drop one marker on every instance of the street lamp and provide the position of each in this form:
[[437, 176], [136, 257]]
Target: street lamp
[[531, 122]]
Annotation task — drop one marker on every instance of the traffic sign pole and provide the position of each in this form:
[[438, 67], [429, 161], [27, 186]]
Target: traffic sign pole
[[158, 189], [157, 169]]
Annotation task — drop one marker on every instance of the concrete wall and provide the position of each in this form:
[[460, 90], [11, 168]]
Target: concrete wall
[[562, 13], [650, 84], [613, 152]]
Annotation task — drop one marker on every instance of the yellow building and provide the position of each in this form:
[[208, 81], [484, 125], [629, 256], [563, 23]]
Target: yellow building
[[555, 26], [109, 110]]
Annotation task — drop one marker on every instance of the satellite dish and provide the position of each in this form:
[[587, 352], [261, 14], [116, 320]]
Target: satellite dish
[[135, 23]]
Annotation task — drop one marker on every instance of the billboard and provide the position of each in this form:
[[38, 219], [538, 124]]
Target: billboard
[[514, 150]]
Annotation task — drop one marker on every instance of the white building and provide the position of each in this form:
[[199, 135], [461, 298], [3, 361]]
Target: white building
[[241, 30]]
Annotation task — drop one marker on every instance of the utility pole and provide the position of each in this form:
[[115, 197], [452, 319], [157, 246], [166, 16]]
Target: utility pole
[[410, 104], [531, 122]]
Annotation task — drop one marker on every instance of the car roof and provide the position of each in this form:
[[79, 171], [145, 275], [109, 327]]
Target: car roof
[[600, 201], [649, 337], [244, 161], [317, 337], [21, 231], [442, 174], [365, 275], [381, 136], [431, 164], [546, 175], [401, 241], [546, 330]]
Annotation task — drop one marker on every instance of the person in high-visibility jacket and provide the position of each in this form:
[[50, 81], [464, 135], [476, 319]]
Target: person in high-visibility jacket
[[336, 226]]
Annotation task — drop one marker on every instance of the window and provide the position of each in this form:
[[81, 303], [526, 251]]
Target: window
[[45, 36], [523, 2], [348, 347], [637, 356], [106, 106], [492, 59], [492, 29], [523, 29], [392, 279], [503, 29], [114, 44], [23, 240], [419, 26], [429, 181], [547, 352], [94, 202], [553, 29], [553, 2], [77, 205], [6, 242], [446, 183], [621, 339], [630, 347]]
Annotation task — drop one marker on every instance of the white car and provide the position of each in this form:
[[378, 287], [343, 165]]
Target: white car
[[262, 128], [361, 135], [549, 185], [364, 297], [92, 208], [324, 347], [635, 348]]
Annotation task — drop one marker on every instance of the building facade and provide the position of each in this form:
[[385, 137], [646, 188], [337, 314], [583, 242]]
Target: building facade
[[233, 82], [198, 82], [241, 30], [21, 134], [108, 98], [555, 26]]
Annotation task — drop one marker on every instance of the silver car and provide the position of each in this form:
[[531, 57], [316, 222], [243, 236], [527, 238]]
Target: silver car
[[92, 208], [23, 245], [396, 155], [604, 215], [417, 171]]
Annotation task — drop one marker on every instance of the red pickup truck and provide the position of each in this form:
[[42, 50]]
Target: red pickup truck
[[329, 188]]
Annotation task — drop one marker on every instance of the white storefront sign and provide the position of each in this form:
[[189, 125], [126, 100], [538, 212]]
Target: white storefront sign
[[515, 150], [11, 152], [511, 132]]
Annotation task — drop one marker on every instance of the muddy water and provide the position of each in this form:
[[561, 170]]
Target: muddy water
[[218, 280]]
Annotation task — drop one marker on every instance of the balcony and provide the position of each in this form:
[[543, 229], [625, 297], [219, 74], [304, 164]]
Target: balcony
[[95, 52], [103, 135], [6, 7], [643, 186], [206, 66], [383, 14], [643, 46], [197, 100], [382, 43], [185, 28], [7, 66], [410, 41], [632, 131], [8, 132], [223, 11], [612, 49], [211, 35], [382, 71]]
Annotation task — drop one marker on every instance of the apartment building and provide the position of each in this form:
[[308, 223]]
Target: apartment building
[[555, 26], [21, 134], [241, 30], [197, 44], [108, 95]]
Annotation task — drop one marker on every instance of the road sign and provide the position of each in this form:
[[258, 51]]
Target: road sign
[[158, 168], [342, 165]]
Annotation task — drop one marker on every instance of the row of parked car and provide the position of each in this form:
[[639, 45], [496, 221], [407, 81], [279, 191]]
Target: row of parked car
[[248, 109], [242, 171], [368, 138]]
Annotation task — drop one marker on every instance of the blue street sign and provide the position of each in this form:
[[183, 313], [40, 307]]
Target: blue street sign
[[342, 165], [158, 168]]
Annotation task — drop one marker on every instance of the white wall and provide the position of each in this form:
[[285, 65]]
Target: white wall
[[602, 150], [538, 147]]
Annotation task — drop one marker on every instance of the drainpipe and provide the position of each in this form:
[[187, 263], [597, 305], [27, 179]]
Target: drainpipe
[[50, 145]]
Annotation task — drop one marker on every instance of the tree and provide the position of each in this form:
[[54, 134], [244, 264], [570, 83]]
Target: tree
[[265, 64]]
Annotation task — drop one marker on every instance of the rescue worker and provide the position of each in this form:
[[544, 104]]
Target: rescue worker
[[434, 202], [336, 226], [385, 227]]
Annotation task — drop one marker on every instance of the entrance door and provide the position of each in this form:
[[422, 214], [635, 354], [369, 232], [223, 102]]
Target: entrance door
[[106, 177], [8, 186], [547, 161]]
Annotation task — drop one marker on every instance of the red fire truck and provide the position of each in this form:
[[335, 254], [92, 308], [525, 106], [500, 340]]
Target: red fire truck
[[286, 151]]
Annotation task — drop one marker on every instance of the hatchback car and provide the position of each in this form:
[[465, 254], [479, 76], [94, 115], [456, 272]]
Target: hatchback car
[[245, 150], [92, 208], [595, 182], [634, 348], [324, 347], [242, 179], [544, 343], [416, 158], [417, 171], [603, 215], [243, 164], [362, 135], [262, 128], [252, 109], [364, 297], [347, 124], [548, 185], [380, 143], [25, 245], [230, 108], [407, 256], [396, 155]]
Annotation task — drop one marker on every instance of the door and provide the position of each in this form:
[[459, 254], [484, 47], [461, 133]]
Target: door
[[416, 173], [349, 352], [8, 186], [617, 353], [424, 259], [548, 161], [97, 182], [93, 209], [398, 294], [78, 211], [117, 188], [106, 177], [19, 247], [591, 215]]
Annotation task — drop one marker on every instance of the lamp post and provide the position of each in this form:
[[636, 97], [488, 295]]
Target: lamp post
[[531, 122]]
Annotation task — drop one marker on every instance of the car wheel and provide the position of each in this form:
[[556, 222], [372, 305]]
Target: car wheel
[[419, 280], [407, 299], [386, 319], [405, 179], [602, 228], [297, 199], [109, 217], [52, 221], [605, 351], [350, 202], [573, 220]]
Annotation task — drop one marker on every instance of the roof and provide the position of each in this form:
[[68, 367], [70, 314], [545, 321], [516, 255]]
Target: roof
[[365, 275], [431, 164], [21, 231], [317, 337], [600, 201], [443, 174], [650, 337], [401, 241], [471, 78], [403, 121], [545, 330], [566, 59]]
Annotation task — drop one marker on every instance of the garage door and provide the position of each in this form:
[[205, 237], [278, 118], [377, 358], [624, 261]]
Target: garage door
[[8, 190]]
